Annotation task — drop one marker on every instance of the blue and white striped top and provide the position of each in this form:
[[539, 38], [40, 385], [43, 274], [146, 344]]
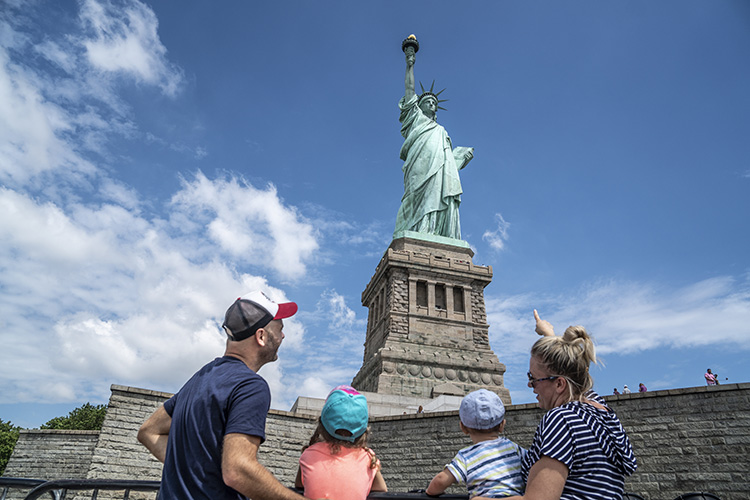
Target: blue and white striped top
[[591, 443], [491, 469]]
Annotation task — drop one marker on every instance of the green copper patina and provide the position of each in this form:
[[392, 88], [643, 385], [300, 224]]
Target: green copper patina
[[432, 187]]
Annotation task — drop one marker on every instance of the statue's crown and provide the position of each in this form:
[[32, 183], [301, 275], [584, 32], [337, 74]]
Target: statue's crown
[[431, 93]]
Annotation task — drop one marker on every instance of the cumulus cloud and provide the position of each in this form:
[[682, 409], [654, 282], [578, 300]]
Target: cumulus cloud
[[95, 289], [628, 317], [124, 39], [60, 120], [497, 238], [108, 294], [252, 225], [341, 315], [33, 129]]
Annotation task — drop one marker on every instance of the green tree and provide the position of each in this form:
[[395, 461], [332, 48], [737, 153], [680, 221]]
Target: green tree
[[84, 418], [8, 438]]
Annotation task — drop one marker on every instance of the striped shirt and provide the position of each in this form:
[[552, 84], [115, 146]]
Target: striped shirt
[[490, 469], [593, 446]]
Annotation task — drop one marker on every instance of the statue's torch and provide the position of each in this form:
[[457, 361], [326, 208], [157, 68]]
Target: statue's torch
[[410, 45]]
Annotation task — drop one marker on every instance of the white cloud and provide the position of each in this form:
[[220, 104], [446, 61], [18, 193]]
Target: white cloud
[[119, 194], [628, 318], [55, 54], [341, 315], [92, 291], [125, 40], [625, 319], [57, 121], [105, 294], [32, 128], [251, 225], [497, 238]]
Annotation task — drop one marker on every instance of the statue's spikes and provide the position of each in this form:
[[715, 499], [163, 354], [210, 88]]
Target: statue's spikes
[[432, 94]]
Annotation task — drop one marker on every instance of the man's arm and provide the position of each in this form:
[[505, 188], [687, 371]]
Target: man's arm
[[440, 482], [242, 472], [154, 433]]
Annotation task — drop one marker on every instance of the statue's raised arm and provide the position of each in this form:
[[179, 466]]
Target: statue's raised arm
[[432, 188], [410, 46]]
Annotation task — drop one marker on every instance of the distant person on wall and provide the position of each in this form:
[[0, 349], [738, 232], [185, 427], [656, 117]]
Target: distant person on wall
[[642, 388], [337, 464], [616, 392], [208, 434], [625, 390], [491, 467], [710, 378]]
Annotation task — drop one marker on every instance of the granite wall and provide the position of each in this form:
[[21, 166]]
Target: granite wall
[[50, 454], [693, 439]]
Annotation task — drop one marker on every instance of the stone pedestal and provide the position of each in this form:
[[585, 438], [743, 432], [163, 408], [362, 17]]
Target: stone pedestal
[[427, 331]]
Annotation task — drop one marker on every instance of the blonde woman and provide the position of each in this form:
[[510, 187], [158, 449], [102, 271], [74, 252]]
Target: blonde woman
[[580, 449]]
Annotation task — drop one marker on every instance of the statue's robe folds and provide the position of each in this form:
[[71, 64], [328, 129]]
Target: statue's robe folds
[[432, 188]]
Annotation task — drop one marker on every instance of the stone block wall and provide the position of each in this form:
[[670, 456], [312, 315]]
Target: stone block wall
[[286, 434], [118, 454], [52, 454], [693, 439]]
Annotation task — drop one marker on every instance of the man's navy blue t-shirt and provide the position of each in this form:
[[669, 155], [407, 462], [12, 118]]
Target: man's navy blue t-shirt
[[224, 397]]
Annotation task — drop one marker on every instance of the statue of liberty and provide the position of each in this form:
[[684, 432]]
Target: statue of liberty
[[432, 187]]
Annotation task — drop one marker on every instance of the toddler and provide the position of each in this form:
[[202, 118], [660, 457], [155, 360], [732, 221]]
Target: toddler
[[491, 467], [337, 464]]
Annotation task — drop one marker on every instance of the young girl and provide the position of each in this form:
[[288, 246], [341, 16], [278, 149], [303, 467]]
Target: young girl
[[337, 464]]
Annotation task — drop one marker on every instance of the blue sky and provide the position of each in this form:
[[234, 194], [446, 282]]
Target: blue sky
[[159, 159]]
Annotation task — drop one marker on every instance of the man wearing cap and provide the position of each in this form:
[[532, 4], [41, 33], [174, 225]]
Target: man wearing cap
[[208, 434]]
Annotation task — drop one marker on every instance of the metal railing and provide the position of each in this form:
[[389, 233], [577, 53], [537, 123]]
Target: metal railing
[[63, 486], [18, 483], [59, 488]]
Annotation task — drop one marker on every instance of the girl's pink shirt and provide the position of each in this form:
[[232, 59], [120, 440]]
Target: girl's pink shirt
[[347, 475]]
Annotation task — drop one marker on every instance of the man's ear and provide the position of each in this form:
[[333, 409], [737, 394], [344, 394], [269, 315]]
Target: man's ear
[[260, 336], [502, 426]]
